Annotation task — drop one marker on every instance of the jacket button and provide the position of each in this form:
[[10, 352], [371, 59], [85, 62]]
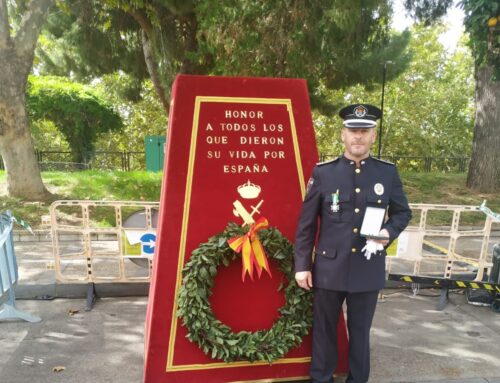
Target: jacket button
[[358, 170], [379, 201], [353, 249], [355, 230], [356, 210], [357, 190], [324, 252]]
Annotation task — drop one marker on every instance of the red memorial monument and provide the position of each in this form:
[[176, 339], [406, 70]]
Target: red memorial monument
[[239, 153]]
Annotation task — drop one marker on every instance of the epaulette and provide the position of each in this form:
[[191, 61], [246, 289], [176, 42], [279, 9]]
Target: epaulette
[[383, 161], [327, 162]]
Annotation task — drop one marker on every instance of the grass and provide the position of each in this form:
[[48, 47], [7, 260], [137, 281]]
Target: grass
[[433, 188], [447, 188], [85, 185]]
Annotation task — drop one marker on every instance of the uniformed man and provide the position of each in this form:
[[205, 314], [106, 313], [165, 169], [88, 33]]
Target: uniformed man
[[342, 269]]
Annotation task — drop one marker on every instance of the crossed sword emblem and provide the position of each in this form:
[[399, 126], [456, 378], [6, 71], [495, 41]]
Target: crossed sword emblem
[[240, 211]]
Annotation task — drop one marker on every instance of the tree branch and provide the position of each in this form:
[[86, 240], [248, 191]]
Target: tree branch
[[31, 25], [4, 25], [152, 69], [143, 21]]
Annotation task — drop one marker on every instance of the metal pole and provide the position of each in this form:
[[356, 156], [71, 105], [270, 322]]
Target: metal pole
[[382, 109]]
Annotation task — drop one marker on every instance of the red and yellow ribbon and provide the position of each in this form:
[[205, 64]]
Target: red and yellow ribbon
[[252, 251]]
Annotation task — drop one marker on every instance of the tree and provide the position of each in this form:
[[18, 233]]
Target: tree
[[484, 169], [428, 109], [164, 33], [78, 111], [18, 38], [144, 117], [482, 19], [330, 43], [324, 41]]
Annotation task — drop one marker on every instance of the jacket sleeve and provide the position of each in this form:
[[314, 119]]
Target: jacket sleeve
[[399, 212], [308, 225]]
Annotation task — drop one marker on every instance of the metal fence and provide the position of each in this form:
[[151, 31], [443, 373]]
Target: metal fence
[[127, 161], [101, 160]]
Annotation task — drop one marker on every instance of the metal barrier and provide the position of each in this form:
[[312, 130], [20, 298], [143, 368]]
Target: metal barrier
[[9, 274], [454, 256], [103, 242]]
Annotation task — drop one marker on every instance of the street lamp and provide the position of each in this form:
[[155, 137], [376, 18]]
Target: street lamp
[[382, 108]]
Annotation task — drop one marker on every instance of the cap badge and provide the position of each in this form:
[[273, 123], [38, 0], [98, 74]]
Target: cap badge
[[379, 189], [360, 111]]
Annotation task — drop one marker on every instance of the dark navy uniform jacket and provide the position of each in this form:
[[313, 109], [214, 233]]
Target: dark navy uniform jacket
[[339, 264]]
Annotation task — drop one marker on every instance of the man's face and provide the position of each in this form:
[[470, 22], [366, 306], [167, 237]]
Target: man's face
[[358, 142]]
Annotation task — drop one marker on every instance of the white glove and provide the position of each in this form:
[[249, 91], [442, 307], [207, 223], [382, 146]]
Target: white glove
[[371, 248]]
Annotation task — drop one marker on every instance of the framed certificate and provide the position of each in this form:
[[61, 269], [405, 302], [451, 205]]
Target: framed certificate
[[372, 223]]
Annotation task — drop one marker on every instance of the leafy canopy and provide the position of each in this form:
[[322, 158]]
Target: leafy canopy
[[77, 110]]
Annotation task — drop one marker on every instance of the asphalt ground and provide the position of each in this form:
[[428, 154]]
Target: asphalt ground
[[411, 341]]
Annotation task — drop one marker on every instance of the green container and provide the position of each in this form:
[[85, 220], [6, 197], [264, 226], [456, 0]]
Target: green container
[[155, 152]]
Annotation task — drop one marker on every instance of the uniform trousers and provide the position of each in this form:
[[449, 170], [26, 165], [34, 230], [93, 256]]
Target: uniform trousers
[[360, 311]]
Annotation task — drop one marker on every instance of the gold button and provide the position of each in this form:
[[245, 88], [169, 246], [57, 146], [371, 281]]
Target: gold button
[[353, 249], [379, 201], [355, 230], [358, 171], [358, 190], [356, 210]]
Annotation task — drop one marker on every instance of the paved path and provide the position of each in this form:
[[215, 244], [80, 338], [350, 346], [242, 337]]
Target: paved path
[[411, 341]]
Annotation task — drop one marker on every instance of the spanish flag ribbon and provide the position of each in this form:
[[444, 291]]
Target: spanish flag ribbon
[[252, 251]]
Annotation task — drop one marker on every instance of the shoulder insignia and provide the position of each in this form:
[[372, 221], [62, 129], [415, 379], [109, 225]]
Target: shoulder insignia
[[383, 161], [327, 162]]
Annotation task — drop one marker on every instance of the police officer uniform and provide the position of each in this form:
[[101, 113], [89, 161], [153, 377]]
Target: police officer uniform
[[338, 194]]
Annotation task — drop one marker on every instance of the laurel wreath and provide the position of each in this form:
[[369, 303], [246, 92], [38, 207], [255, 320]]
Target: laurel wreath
[[214, 337]]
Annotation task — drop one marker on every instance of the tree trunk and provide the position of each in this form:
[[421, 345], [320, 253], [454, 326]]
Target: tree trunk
[[16, 59], [16, 146], [484, 168], [151, 63]]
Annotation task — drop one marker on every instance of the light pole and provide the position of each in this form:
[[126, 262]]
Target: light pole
[[382, 108]]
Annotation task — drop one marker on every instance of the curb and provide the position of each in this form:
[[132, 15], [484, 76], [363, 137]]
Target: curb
[[79, 290]]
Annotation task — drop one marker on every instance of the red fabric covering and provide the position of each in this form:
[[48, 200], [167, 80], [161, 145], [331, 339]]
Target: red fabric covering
[[224, 133]]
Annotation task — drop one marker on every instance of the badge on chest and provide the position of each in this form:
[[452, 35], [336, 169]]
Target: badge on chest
[[335, 207]]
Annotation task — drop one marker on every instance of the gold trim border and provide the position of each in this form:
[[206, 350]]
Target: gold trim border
[[185, 220]]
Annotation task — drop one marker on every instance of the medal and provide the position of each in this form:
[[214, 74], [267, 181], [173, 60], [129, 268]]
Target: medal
[[335, 202], [379, 189]]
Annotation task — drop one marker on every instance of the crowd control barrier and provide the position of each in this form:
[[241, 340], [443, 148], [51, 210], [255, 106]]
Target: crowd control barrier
[[103, 242], [457, 255], [9, 273]]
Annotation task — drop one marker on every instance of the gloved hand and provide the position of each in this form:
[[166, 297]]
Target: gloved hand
[[371, 248]]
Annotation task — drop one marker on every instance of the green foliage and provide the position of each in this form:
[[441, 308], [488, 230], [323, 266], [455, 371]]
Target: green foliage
[[436, 188], [334, 42], [428, 110], [331, 42], [427, 10], [85, 39], [215, 338], [484, 40], [78, 111], [141, 118], [93, 185]]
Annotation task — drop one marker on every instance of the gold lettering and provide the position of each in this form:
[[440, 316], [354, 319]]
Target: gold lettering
[[261, 140]]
